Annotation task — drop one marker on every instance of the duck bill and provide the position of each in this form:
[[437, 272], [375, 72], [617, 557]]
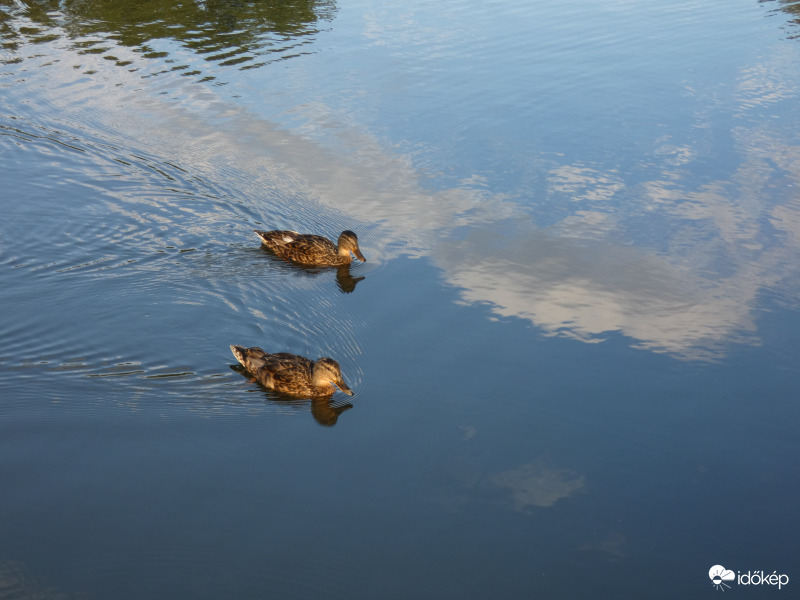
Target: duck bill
[[359, 256], [343, 386]]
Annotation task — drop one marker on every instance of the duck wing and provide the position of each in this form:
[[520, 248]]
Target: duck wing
[[277, 238], [288, 368], [308, 249], [283, 361], [312, 245]]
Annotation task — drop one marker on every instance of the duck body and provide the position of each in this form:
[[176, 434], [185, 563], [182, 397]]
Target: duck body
[[310, 249], [292, 374]]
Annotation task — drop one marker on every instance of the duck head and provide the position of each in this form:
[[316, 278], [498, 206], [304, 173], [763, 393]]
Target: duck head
[[348, 242], [327, 372]]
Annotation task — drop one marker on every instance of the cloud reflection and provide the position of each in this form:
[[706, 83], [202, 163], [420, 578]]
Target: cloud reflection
[[535, 485], [16, 582], [589, 289], [671, 259]]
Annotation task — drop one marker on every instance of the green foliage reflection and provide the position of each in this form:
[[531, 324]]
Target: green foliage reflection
[[228, 32]]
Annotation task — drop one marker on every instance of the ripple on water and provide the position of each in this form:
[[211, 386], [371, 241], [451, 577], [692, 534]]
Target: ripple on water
[[140, 273]]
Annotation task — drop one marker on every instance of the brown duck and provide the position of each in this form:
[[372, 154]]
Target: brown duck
[[309, 249], [292, 374]]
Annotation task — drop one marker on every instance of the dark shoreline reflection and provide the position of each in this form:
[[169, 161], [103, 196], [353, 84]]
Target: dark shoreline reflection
[[228, 32], [791, 8], [325, 411]]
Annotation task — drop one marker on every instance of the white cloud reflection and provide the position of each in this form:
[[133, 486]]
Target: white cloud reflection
[[16, 581], [536, 485], [590, 288], [690, 291]]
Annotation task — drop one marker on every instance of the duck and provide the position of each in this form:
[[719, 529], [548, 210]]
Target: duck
[[310, 249], [292, 374]]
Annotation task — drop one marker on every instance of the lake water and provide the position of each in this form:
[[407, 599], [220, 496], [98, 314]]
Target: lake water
[[574, 345]]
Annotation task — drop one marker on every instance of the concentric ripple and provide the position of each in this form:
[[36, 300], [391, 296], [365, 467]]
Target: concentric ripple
[[132, 275]]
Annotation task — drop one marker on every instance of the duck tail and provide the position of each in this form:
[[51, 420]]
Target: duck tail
[[239, 353]]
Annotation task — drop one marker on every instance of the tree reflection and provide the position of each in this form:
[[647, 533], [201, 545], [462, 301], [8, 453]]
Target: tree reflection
[[229, 32], [791, 8]]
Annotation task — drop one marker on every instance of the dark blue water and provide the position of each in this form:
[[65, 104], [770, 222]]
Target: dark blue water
[[574, 344]]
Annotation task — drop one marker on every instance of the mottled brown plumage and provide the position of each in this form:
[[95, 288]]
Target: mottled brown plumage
[[292, 374], [309, 249]]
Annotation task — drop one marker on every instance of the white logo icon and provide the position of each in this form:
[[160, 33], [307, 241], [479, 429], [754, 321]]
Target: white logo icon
[[719, 575]]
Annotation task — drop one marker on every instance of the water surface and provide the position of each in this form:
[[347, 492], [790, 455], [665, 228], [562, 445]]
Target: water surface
[[573, 346]]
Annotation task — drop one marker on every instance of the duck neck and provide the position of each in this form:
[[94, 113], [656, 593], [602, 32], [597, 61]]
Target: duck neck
[[320, 382]]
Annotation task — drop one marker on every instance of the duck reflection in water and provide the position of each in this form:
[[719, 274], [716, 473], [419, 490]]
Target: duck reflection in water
[[311, 253], [324, 410]]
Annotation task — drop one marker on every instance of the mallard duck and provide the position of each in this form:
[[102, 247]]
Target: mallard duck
[[309, 249], [292, 374]]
